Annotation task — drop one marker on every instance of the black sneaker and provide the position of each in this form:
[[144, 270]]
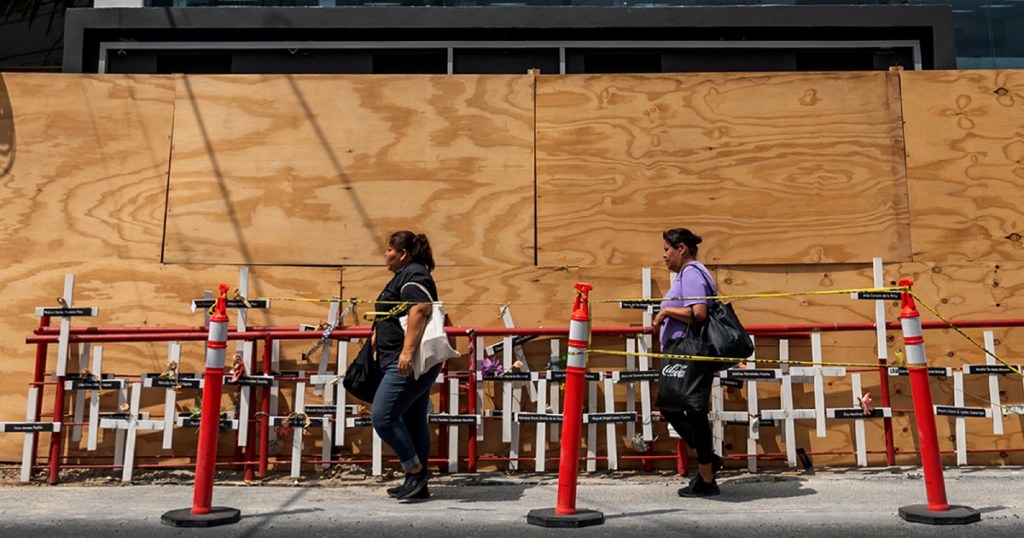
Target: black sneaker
[[423, 495], [700, 488], [414, 483], [717, 463], [393, 492]]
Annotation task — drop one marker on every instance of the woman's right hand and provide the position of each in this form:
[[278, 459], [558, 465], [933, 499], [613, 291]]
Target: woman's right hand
[[659, 318], [405, 363]]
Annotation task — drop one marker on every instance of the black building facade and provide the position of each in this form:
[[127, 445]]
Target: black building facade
[[496, 39]]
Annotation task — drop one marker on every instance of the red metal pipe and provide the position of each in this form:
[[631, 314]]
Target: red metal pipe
[[195, 336], [443, 430], [781, 334], [892, 325], [268, 345], [38, 379], [647, 458], [56, 438], [471, 403], [778, 331], [250, 442], [652, 456], [119, 330]]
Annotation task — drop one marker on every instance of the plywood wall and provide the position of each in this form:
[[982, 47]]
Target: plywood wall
[[82, 189], [346, 160], [811, 165], [152, 189], [965, 159]]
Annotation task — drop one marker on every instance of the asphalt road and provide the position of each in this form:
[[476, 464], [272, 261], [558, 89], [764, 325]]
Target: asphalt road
[[828, 503]]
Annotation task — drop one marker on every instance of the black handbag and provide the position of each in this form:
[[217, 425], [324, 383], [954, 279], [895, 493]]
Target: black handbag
[[363, 375], [725, 333]]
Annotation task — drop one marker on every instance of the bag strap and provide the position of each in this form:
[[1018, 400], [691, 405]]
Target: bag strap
[[418, 285], [693, 328], [711, 285]]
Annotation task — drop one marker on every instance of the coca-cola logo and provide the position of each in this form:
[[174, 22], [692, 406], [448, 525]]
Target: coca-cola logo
[[673, 370]]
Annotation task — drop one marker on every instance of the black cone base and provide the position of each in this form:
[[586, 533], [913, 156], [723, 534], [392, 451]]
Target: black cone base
[[546, 517], [956, 515], [219, 515]]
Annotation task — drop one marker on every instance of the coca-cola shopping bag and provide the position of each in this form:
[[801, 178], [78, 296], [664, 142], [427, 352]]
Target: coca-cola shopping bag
[[685, 385]]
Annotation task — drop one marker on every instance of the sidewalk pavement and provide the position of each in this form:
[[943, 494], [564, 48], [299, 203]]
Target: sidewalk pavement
[[837, 502]]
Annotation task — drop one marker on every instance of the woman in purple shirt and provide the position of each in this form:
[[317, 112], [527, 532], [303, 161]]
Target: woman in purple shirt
[[682, 311]]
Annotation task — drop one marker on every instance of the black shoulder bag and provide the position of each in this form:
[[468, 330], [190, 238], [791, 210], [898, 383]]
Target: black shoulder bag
[[725, 333], [363, 375]]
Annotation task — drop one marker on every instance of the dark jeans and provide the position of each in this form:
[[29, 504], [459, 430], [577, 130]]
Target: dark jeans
[[400, 414], [695, 428]]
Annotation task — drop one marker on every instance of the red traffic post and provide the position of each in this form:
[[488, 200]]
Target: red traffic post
[[202, 514], [937, 511], [565, 514]]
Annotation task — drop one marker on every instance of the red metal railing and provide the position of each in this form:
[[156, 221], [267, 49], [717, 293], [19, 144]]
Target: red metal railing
[[45, 335]]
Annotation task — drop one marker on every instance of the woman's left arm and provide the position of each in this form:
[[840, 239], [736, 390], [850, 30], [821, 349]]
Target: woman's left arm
[[418, 316]]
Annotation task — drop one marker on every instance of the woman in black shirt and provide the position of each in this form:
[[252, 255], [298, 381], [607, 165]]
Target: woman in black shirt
[[401, 404]]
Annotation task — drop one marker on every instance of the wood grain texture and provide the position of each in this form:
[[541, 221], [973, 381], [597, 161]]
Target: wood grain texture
[[83, 165], [772, 168], [964, 164], [318, 170], [966, 291]]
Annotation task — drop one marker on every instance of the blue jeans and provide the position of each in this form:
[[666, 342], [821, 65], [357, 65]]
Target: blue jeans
[[400, 414]]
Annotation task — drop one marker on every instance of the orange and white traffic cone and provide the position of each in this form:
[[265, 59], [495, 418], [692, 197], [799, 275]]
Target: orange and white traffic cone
[[937, 511], [202, 514], [565, 513]]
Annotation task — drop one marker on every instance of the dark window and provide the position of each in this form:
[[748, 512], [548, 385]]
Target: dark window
[[199, 63], [735, 60], [622, 62], [857, 60], [426, 62], [303, 61], [510, 62]]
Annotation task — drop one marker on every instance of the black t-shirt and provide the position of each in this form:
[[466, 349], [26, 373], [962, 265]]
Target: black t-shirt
[[390, 336]]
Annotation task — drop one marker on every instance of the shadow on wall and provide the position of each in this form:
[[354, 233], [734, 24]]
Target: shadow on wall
[[6, 131]]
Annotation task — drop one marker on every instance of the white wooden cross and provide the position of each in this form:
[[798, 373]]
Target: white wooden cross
[[960, 412], [66, 311], [131, 424], [791, 375], [172, 381], [994, 372], [79, 401], [334, 404], [377, 465], [30, 429], [858, 414], [752, 417]]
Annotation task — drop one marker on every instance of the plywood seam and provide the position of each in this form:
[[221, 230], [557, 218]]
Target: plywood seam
[[536, 238], [170, 163], [898, 81]]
